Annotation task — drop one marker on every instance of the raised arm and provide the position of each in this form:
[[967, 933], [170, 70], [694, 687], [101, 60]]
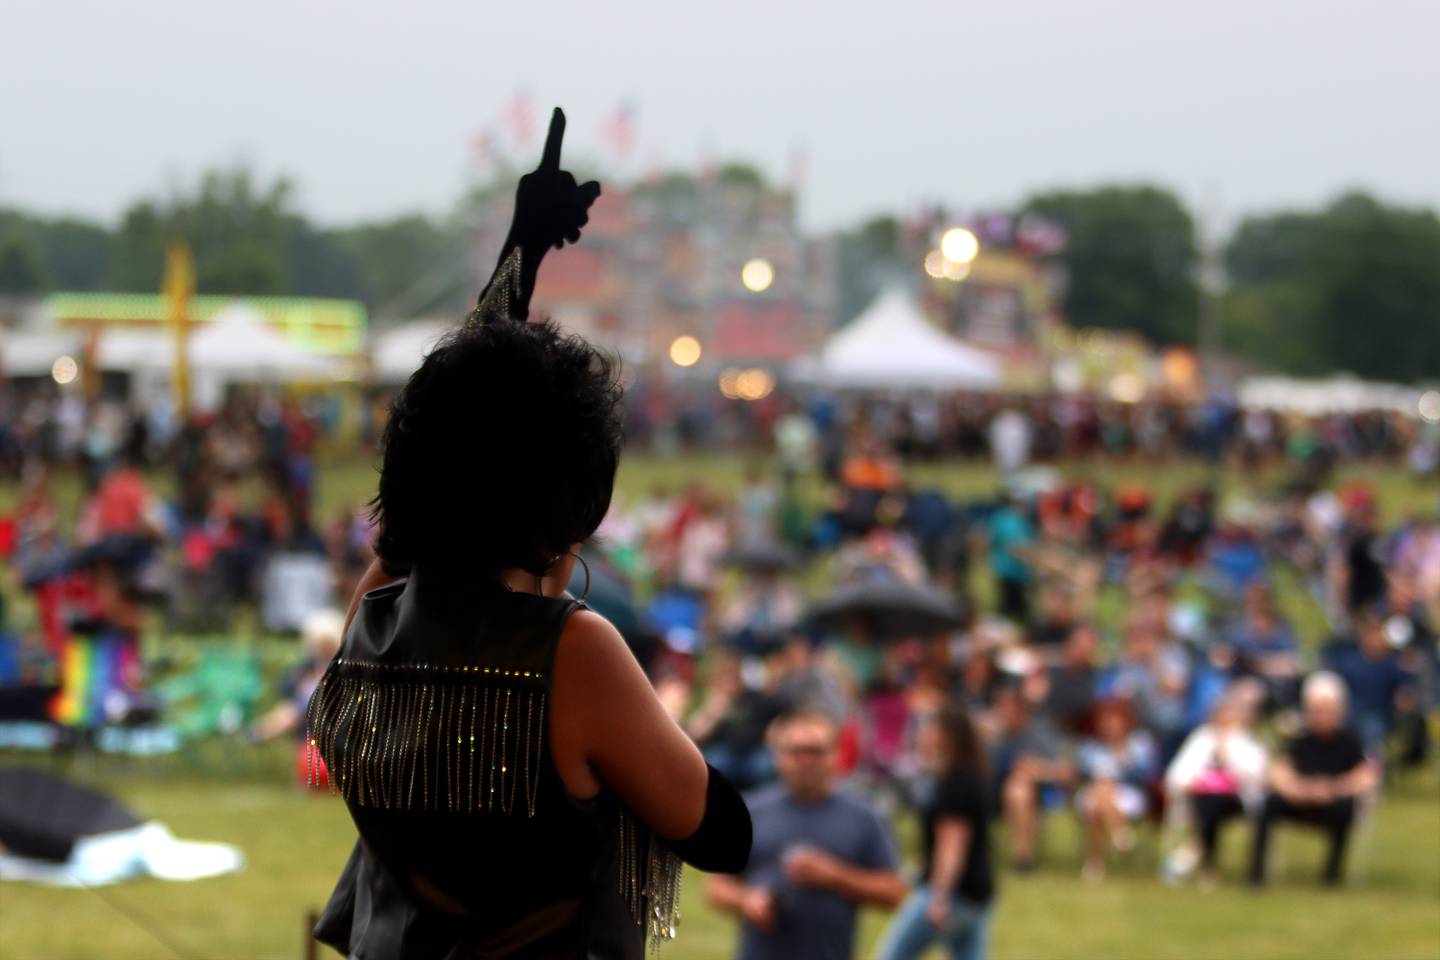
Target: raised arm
[[550, 209]]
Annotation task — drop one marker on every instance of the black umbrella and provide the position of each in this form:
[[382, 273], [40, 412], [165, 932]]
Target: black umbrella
[[42, 815], [762, 557], [886, 609]]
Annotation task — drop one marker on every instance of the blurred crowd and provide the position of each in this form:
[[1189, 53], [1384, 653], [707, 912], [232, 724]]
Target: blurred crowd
[[189, 536], [1150, 665], [1144, 660], [55, 426]]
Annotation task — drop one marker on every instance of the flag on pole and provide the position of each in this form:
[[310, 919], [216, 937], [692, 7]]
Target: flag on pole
[[520, 115]]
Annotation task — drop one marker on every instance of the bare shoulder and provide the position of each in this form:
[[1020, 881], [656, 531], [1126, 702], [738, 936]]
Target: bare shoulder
[[589, 641], [592, 658]]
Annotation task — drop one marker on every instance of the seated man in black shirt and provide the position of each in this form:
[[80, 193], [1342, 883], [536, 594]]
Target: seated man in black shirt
[[1318, 779]]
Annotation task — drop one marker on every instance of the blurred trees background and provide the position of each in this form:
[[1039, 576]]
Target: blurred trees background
[[246, 237], [1353, 286], [1131, 257]]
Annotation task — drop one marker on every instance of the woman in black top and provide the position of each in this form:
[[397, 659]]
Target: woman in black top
[[951, 905], [518, 789]]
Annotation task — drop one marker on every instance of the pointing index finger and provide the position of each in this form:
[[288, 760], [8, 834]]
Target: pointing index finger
[[550, 160]]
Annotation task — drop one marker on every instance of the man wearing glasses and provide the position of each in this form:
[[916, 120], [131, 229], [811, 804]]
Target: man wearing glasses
[[819, 854]]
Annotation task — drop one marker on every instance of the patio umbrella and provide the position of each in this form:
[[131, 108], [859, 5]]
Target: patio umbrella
[[886, 610], [41, 815]]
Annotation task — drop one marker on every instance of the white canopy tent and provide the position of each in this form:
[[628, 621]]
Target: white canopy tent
[[891, 345], [1339, 394], [396, 353], [239, 345], [32, 353], [134, 351]]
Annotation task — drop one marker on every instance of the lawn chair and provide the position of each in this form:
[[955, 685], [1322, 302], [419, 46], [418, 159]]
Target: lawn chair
[[219, 695]]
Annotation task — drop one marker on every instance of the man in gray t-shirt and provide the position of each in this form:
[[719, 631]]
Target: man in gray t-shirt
[[819, 854]]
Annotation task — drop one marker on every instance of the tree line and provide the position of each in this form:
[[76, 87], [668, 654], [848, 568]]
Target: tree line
[[1353, 285]]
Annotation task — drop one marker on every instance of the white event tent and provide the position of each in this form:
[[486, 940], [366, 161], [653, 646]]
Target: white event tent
[[32, 353], [1337, 394], [239, 345], [892, 345]]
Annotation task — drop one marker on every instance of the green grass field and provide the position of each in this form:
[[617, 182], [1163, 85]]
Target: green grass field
[[295, 844]]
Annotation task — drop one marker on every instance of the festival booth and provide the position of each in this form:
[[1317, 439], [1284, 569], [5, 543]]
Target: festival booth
[[892, 346]]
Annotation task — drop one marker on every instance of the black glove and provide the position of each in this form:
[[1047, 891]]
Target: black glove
[[550, 209], [721, 844]]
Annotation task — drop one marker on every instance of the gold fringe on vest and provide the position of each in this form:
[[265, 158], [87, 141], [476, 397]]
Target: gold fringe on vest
[[385, 729], [650, 875]]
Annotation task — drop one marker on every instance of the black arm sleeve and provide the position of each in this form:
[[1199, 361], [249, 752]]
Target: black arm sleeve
[[721, 844]]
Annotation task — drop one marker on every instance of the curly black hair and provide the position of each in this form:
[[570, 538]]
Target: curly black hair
[[500, 451]]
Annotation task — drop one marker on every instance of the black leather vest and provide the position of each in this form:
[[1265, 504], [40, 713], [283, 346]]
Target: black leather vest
[[432, 725]]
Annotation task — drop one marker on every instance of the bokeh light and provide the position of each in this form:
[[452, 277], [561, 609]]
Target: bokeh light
[[956, 271], [685, 351], [64, 370], [755, 384], [935, 265], [959, 245], [757, 275], [1429, 406], [1127, 387], [1180, 369]]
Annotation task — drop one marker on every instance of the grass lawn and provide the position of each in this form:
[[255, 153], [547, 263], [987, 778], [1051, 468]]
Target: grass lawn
[[295, 844]]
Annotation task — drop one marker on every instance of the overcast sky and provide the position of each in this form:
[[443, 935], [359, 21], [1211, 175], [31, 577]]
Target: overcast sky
[[372, 106]]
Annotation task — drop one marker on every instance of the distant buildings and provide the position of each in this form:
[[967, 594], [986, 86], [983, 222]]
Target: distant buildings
[[667, 258]]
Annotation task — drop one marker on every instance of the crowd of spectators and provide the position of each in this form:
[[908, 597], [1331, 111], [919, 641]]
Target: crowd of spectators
[[1152, 664]]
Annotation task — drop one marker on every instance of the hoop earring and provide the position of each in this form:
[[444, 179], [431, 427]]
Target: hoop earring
[[540, 577], [586, 592]]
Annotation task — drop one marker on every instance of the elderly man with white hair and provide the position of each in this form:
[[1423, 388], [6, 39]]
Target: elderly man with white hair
[[1318, 778]]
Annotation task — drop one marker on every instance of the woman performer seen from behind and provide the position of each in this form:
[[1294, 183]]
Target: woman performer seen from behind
[[518, 788]]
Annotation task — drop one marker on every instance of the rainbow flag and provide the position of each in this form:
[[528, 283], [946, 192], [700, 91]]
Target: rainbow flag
[[91, 669]]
